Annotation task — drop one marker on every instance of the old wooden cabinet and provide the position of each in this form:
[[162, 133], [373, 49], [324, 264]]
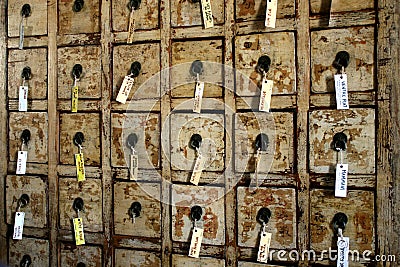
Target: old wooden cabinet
[[295, 174]]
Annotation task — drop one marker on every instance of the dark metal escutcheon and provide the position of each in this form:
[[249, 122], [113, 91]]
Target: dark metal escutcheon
[[23, 201], [79, 138], [26, 261], [77, 71], [26, 136], [135, 209], [78, 5], [261, 142], [196, 212], [26, 10], [134, 4], [263, 215], [195, 141], [339, 221], [196, 68], [263, 64], [135, 68], [26, 73], [195, 1], [78, 204], [81, 264], [340, 141], [132, 140], [342, 59]]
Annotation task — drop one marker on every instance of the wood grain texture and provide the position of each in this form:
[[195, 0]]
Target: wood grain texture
[[85, 21], [180, 260], [335, 6], [71, 255], [134, 258], [37, 249]]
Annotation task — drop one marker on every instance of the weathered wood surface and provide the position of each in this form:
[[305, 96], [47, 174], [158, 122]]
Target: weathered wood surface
[[71, 255], [188, 13], [124, 257], [86, 20], [180, 260], [255, 10], [146, 17], [37, 249]]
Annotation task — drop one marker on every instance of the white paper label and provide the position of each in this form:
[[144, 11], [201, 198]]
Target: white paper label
[[266, 94], [343, 252], [198, 97], [341, 180], [207, 14], [134, 167], [197, 170], [125, 89], [263, 249], [342, 101], [78, 230], [131, 27], [21, 162], [18, 225], [21, 35], [270, 13], [195, 244], [23, 98]]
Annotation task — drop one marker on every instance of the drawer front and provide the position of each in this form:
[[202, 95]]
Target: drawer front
[[86, 20], [180, 260], [328, 6], [247, 10], [188, 13], [125, 257], [37, 249], [72, 255]]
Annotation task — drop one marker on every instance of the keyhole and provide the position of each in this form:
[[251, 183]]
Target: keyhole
[[263, 64], [196, 212], [78, 204], [26, 10], [132, 140], [263, 215], [339, 221], [135, 69], [196, 68]]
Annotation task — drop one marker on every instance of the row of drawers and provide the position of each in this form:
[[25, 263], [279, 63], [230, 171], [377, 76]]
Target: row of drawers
[[358, 206], [183, 13]]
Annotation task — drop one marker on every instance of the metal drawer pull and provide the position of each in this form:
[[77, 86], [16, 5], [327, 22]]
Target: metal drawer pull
[[195, 213], [134, 211], [78, 5]]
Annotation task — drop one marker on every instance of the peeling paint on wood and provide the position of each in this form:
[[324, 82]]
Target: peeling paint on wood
[[36, 59], [85, 21], [36, 189], [124, 257], [37, 124], [334, 6], [180, 260], [37, 249], [211, 200], [252, 264], [359, 127], [90, 82], [88, 124], [188, 13], [278, 127], [282, 224], [148, 55], [359, 208], [358, 42], [247, 10], [211, 129], [148, 224], [90, 191], [146, 17], [71, 255]]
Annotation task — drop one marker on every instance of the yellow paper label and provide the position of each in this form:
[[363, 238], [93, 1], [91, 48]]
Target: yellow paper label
[[78, 229], [74, 104], [207, 14], [80, 167]]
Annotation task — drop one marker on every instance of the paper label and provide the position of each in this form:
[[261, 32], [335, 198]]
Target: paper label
[[131, 27], [74, 103], [207, 14], [343, 252], [342, 101], [18, 225], [78, 229], [257, 161], [125, 89], [134, 167], [270, 13], [198, 97], [195, 243], [80, 167], [341, 180], [197, 170], [23, 98], [263, 249], [21, 35], [21, 162], [266, 94]]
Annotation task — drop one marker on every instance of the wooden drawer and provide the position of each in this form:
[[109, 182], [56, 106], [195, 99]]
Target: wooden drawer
[[247, 10], [146, 17], [278, 127], [359, 127], [183, 83], [146, 126], [88, 124], [148, 55], [148, 224], [358, 42], [211, 200], [87, 20], [252, 264], [282, 224], [359, 208], [72, 255], [210, 127], [37, 249], [250, 48], [180, 260], [328, 6], [36, 189], [125, 257], [188, 13], [35, 24], [89, 57], [90, 191], [36, 60], [37, 124]]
